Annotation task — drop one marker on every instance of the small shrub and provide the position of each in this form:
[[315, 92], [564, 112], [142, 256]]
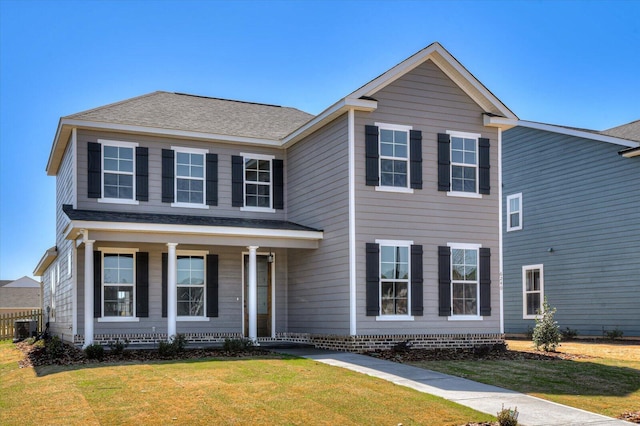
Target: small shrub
[[118, 347], [173, 346], [54, 347], [569, 333], [546, 332], [508, 417], [237, 345], [614, 334], [94, 351], [402, 346]]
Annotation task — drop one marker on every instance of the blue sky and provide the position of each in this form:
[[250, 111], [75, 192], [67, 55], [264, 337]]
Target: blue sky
[[574, 63]]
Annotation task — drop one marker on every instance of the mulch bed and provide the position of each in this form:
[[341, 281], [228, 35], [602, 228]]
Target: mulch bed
[[36, 355]]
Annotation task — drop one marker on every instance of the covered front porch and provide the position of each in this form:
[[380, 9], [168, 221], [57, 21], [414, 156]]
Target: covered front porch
[[148, 277]]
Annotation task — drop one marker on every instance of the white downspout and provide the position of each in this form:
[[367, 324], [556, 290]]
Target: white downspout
[[500, 250], [352, 224]]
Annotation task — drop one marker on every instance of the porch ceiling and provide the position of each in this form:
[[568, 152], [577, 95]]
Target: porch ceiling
[[182, 229]]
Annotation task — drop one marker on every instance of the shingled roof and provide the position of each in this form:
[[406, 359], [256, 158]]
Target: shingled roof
[[629, 131], [179, 111]]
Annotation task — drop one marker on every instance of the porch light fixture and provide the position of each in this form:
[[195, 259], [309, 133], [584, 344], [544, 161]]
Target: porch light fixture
[[270, 258]]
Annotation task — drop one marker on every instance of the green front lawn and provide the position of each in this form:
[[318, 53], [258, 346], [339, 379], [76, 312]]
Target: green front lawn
[[284, 390]]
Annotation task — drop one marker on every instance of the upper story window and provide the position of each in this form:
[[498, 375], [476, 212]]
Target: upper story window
[[463, 164], [189, 177], [514, 212], [393, 157], [117, 172], [532, 290], [257, 182]]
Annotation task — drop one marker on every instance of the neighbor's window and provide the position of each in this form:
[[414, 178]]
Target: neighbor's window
[[394, 155], [118, 162], [532, 290], [464, 281], [464, 162], [118, 281], [257, 181], [394, 279], [514, 212], [190, 176], [191, 286]]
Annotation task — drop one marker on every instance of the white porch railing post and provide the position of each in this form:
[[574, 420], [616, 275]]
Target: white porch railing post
[[88, 292], [172, 290], [252, 294]]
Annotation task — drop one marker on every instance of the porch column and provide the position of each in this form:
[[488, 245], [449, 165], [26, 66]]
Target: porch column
[[88, 292], [172, 290], [252, 294]]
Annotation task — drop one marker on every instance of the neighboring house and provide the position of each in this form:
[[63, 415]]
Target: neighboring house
[[374, 222], [21, 295], [572, 227]]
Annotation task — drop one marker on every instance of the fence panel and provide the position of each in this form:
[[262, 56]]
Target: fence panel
[[7, 321]]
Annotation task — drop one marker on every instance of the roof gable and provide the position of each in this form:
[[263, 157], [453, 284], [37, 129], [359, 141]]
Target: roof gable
[[626, 131], [24, 282]]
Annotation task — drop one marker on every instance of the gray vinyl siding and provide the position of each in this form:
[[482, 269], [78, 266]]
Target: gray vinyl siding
[[230, 293], [155, 204], [318, 195], [580, 200], [427, 100]]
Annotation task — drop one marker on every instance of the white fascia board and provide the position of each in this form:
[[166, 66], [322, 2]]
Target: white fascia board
[[499, 122], [155, 228], [327, 115], [576, 133], [46, 260], [629, 153]]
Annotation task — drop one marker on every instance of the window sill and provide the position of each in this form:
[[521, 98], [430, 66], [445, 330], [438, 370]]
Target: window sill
[[192, 319], [190, 205], [465, 318], [394, 189], [514, 229], [119, 319], [118, 201], [394, 318], [463, 194], [531, 317], [257, 209]]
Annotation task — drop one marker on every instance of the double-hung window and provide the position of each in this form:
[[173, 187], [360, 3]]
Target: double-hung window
[[191, 285], [532, 290], [190, 176], [258, 182], [118, 284], [464, 162], [395, 278], [465, 289], [118, 171], [394, 155], [514, 212]]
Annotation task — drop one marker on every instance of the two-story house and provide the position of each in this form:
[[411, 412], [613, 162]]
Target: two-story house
[[376, 221], [571, 227]]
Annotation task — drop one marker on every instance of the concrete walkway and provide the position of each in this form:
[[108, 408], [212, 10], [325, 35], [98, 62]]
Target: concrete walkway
[[485, 398]]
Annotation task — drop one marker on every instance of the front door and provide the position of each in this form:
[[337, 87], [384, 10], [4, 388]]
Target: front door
[[263, 277]]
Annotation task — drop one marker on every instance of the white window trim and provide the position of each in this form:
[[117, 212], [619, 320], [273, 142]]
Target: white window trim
[[70, 263], [407, 317], [463, 194], [526, 268], [264, 157], [115, 250], [120, 144], [509, 212], [195, 253], [402, 128], [187, 150], [466, 246]]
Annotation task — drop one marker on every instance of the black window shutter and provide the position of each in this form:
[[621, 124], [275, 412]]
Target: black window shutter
[[212, 179], [167, 176], [142, 284], [485, 282], [444, 281], [142, 173], [415, 154], [373, 279], [94, 170], [278, 184], [97, 284], [416, 281], [484, 186], [444, 162], [371, 154], [165, 274], [237, 181], [212, 285]]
